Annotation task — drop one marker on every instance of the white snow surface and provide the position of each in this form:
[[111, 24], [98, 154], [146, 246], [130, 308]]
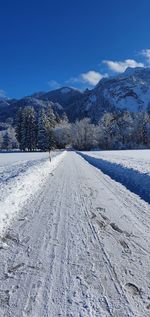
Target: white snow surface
[[129, 167], [79, 246], [21, 175], [16, 157], [65, 90], [130, 90], [136, 159]]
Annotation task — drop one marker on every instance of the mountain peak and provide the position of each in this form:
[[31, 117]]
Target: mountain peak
[[132, 70], [141, 72]]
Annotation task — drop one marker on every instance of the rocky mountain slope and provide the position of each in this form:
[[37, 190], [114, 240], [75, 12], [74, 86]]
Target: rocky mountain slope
[[128, 91]]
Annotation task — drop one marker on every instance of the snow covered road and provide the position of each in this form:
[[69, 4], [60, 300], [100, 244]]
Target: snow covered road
[[78, 248]]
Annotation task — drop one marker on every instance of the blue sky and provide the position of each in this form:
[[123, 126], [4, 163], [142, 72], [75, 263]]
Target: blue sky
[[50, 43]]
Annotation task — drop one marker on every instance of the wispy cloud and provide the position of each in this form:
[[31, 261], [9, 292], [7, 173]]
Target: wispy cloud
[[121, 66], [91, 78], [2, 93], [146, 53], [53, 84]]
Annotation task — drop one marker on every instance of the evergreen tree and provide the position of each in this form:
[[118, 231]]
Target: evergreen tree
[[50, 138], [51, 116], [50, 125], [6, 141], [42, 141], [26, 130], [19, 128], [1, 140], [64, 119], [29, 130]]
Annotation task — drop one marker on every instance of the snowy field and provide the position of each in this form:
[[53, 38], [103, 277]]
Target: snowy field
[[13, 159], [130, 167], [73, 241], [136, 159], [15, 163], [7, 159], [21, 174]]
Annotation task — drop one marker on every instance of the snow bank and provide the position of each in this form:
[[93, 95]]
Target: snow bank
[[135, 180], [17, 190], [16, 163], [137, 159]]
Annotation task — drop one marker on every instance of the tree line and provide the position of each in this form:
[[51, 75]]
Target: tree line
[[45, 130]]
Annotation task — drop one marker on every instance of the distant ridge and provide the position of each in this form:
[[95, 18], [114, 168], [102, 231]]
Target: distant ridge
[[127, 91]]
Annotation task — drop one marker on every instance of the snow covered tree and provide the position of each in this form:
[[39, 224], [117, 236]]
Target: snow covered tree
[[141, 120], [50, 124], [64, 119], [26, 130], [106, 130], [84, 135], [29, 131], [6, 141], [19, 123], [50, 116], [13, 141], [46, 123], [62, 134], [1, 140], [42, 139]]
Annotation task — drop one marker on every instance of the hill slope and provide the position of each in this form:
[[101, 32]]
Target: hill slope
[[128, 91]]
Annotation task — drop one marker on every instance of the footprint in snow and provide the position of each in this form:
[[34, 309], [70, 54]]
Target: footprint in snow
[[132, 289], [4, 298], [125, 246], [15, 268], [100, 219], [115, 227], [100, 209], [11, 237]]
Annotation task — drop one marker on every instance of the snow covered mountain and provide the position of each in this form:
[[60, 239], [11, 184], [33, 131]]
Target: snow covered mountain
[[128, 91], [9, 108], [59, 100], [77, 104], [65, 96]]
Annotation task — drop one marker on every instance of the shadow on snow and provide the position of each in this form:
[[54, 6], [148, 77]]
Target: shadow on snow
[[138, 183]]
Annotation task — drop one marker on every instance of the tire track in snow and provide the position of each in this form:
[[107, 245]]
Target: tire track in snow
[[56, 262]]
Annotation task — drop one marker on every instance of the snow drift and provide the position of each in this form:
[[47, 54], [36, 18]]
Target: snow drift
[[133, 179]]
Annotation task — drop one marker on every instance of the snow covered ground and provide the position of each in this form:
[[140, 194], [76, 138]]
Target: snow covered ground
[[78, 246], [21, 159], [21, 174], [12, 164], [131, 168], [136, 159], [7, 158]]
